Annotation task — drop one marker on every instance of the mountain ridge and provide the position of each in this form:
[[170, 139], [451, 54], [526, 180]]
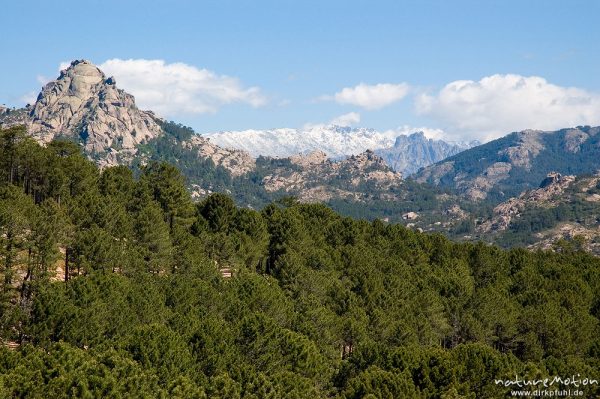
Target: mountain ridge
[[505, 167]]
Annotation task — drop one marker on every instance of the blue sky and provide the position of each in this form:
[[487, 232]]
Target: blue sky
[[267, 64]]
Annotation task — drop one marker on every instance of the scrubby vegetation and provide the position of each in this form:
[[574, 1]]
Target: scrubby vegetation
[[118, 286]]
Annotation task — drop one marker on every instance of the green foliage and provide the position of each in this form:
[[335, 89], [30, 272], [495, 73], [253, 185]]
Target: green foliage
[[113, 285]]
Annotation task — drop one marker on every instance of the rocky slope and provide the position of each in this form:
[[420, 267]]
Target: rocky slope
[[235, 161], [11, 116], [547, 195], [563, 208], [505, 167]]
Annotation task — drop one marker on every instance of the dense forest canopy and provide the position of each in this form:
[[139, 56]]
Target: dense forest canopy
[[121, 286]]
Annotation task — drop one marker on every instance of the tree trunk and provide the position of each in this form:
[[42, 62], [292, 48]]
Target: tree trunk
[[66, 264], [9, 260]]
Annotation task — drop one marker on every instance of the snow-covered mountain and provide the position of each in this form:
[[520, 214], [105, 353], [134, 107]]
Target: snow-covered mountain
[[342, 141], [335, 141]]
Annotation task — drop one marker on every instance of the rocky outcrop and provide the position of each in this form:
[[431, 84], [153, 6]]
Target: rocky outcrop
[[586, 236], [456, 212], [316, 178], [313, 158], [237, 162], [84, 103], [551, 188]]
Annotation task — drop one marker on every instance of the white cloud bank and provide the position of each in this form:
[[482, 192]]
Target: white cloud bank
[[499, 104], [178, 88], [407, 130], [349, 119], [371, 96]]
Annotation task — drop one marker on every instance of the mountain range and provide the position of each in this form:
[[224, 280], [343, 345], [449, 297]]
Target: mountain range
[[404, 153], [465, 190]]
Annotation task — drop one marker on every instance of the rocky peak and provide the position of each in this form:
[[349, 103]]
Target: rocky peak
[[367, 158], [82, 102], [413, 152], [551, 178], [313, 158], [415, 137]]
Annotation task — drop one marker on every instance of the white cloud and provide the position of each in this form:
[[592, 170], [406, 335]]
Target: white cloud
[[430, 133], [370, 96], [349, 119], [499, 104], [63, 65], [178, 88], [42, 79], [29, 98]]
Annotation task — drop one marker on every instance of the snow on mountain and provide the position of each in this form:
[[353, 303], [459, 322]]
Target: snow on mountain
[[342, 141], [335, 141]]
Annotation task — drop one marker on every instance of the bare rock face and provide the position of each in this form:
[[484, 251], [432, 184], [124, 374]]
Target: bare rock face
[[574, 138], [528, 146], [434, 173], [313, 158], [84, 102], [237, 162]]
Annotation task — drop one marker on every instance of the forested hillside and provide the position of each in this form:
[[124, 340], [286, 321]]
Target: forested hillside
[[115, 285]]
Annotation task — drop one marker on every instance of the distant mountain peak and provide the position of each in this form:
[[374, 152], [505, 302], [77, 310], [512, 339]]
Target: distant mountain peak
[[415, 151]]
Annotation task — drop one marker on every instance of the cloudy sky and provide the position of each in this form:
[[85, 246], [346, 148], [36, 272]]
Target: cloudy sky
[[471, 69]]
